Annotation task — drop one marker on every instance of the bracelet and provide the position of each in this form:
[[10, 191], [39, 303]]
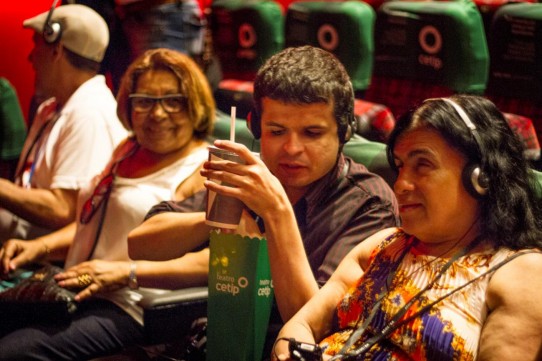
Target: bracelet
[[132, 277]]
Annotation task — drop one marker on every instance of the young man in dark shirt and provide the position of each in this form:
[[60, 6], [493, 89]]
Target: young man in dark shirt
[[303, 115]]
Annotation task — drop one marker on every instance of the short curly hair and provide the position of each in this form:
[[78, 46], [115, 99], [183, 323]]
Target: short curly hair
[[306, 75]]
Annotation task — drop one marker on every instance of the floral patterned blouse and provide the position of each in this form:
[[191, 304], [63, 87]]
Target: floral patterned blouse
[[450, 330]]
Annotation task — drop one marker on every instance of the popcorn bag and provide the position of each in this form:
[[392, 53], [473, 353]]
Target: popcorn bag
[[240, 297]]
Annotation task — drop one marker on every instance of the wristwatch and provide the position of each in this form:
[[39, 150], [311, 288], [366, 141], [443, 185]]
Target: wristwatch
[[132, 277]]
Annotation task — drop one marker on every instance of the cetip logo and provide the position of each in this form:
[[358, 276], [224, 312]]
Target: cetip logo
[[430, 39], [229, 285], [247, 36], [328, 37]]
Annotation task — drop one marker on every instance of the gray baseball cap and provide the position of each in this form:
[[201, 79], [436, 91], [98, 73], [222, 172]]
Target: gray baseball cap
[[84, 31]]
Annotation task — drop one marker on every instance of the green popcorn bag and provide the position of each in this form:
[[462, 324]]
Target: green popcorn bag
[[240, 297]]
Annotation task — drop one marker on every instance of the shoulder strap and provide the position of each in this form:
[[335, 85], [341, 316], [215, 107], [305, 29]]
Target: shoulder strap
[[389, 328], [128, 153]]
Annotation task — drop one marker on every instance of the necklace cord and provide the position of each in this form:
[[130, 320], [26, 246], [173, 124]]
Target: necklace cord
[[396, 323], [393, 323]]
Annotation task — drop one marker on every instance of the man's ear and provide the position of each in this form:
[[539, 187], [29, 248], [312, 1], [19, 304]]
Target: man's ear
[[58, 51]]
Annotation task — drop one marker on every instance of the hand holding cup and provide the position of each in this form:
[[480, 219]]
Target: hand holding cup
[[250, 181]]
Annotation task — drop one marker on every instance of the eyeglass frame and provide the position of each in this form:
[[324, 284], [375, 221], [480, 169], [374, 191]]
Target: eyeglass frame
[[156, 99]]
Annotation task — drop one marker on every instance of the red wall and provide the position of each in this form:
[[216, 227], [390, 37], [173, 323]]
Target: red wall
[[16, 45]]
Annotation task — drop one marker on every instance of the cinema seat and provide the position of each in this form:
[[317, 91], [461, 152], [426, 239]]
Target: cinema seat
[[488, 8], [515, 77], [427, 49], [244, 34], [344, 28]]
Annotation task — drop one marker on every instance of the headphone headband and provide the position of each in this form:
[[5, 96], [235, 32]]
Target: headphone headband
[[50, 14], [468, 122], [461, 113], [474, 178], [51, 30]]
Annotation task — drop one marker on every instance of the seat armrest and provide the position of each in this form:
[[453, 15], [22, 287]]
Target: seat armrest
[[169, 316], [178, 296]]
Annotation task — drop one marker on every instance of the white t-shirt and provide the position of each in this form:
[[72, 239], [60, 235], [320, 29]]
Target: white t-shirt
[[78, 145], [129, 202], [66, 147]]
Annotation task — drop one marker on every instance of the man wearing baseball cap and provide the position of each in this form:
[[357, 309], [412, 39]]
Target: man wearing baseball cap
[[75, 128]]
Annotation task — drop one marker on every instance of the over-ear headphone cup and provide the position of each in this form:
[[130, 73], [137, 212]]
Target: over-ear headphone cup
[[254, 123], [351, 128], [474, 180], [347, 133], [347, 128], [52, 32]]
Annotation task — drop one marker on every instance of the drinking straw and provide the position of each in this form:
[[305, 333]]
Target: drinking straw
[[232, 124]]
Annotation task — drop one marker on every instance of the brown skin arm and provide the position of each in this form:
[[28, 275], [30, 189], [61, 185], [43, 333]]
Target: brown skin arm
[[513, 328], [54, 246], [314, 321], [188, 271], [53, 208], [171, 235], [190, 186]]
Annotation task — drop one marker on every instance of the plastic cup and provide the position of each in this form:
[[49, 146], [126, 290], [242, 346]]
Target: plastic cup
[[223, 211]]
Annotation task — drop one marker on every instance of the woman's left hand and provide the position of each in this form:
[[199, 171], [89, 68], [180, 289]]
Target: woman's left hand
[[94, 277]]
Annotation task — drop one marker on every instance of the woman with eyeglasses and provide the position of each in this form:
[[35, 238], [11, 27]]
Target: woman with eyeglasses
[[166, 101]]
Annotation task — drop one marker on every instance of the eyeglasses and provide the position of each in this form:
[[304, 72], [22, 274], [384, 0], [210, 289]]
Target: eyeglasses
[[102, 189], [171, 103]]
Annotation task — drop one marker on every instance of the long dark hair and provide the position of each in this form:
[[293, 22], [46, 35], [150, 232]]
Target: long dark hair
[[511, 214]]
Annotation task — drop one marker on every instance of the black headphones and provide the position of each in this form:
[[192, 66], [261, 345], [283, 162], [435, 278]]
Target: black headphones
[[347, 125], [52, 31], [474, 179]]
